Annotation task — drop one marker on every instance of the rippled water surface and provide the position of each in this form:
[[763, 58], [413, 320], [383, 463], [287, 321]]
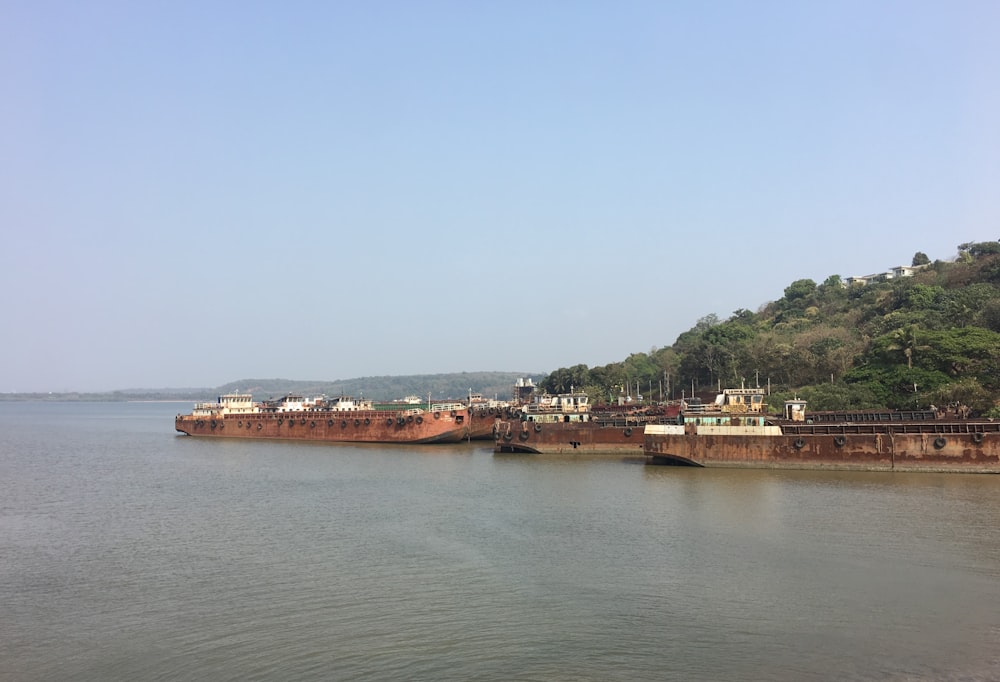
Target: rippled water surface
[[130, 552]]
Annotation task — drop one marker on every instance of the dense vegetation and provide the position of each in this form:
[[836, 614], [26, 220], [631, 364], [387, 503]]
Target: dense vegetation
[[933, 338]]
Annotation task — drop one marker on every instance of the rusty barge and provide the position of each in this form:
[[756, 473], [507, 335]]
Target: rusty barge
[[737, 432], [565, 424], [342, 420]]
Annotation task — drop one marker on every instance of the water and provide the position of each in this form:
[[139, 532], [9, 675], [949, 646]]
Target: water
[[129, 552]]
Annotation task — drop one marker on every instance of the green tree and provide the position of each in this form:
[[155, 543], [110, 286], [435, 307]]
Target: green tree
[[977, 249], [840, 396], [968, 392], [963, 307], [990, 315], [639, 366], [920, 297], [897, 387], [965, 352], [566, 379], [831, 296], [920, 258], [905, 340], [799, 295], [800, 289]]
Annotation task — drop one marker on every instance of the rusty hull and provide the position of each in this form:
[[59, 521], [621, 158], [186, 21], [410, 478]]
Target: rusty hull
[[567, 438], [941, 447], [367, 426], [482, 421]]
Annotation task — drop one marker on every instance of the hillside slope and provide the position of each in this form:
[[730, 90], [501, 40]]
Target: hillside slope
[[932, 337]]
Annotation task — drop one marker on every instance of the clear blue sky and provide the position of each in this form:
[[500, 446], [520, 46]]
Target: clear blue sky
[[198, 192]]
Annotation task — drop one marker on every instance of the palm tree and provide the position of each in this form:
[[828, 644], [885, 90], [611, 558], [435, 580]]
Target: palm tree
[[905, 339]]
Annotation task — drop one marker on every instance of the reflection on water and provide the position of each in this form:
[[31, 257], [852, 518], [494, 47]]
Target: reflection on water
[[127, 551]]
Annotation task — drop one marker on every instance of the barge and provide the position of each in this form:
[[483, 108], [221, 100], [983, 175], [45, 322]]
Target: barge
[[565, 424], [342, 420], [737, 432]]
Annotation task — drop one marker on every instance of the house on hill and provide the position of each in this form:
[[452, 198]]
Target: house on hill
[[894, 273]]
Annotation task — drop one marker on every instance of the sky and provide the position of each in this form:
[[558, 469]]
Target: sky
[[193, 193]]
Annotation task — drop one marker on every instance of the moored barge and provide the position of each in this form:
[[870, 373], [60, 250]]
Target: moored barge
[[343, 420], [738, 433], [565, 424]]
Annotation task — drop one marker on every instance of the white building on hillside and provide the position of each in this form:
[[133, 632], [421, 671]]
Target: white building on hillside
[[894, 273]]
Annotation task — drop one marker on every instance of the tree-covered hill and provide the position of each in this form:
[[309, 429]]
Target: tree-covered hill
[[901, 342]]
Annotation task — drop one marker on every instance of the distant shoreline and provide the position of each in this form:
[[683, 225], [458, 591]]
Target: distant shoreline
[[88, 398], [157, 401], [443, 386]]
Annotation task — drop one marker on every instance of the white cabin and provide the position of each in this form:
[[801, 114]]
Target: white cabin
[[564, 407], [348, 404], [564, 403], [229, 403], [293, 403]]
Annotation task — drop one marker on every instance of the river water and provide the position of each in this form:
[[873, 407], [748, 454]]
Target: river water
[[129, 552]]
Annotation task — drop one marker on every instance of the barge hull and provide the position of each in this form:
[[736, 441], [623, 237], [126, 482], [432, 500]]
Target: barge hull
[[567, 438], [973, 449], [331, 427]]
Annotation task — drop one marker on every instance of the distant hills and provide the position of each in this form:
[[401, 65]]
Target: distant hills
[[915, 336], [439, 386]]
